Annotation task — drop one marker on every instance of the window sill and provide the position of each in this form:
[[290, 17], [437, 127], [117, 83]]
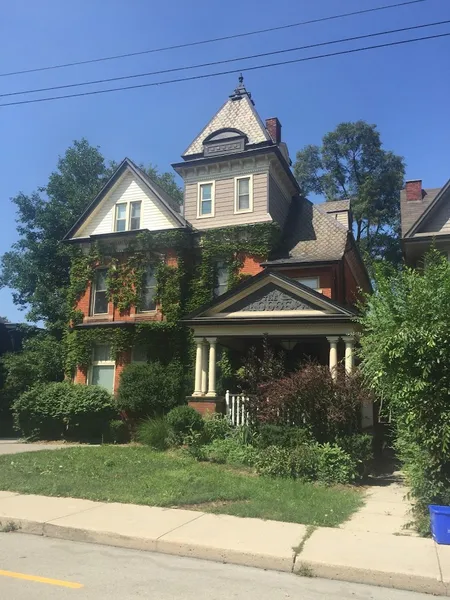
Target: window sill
[[205, 216], [243, 212], [101, 317]]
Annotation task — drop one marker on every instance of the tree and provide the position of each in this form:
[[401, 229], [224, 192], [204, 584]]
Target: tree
[[37, 266], [351, 163], [166, 181], [405, 351]]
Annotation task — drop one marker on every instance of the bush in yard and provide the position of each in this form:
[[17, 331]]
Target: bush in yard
[[282, 435], [150, 390], [334, 465], [405, 350], [360, 448], [184, 419], [56, 410], [118, 432], [274, 462], [156, 433], [310, 398], [231, 451], [216, 427]]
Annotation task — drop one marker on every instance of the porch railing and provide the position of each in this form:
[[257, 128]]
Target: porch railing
[[235, 408]]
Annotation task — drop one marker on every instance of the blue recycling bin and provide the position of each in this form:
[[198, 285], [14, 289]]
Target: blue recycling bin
[[440, 523]]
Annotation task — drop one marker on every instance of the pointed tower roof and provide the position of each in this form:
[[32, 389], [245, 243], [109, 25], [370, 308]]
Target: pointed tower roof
[[238, 115]]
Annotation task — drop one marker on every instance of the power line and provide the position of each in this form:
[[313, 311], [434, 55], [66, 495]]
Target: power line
[[213, 40], [224, 61], [246, 69]]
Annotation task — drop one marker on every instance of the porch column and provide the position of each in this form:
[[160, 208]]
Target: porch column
[[204, 375], [212, 367], [349, 354], [333, 340], [198, 367]]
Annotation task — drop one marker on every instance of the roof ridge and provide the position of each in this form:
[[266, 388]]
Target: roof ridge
[[330, 219]]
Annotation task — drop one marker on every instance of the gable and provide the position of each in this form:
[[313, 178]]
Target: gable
[[128, 188], [238, 114], [438, 219], [270, 295]]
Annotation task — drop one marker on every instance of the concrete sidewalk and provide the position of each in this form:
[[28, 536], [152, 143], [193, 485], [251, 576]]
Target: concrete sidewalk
[[414, 564]]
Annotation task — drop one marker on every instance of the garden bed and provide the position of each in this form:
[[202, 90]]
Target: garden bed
[[139, 475]]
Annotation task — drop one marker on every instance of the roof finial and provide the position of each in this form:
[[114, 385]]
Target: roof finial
[[240, 90]]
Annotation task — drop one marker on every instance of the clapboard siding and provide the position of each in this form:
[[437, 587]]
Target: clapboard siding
[[224, 204], [278, 202], [440, 221], [128, 189]]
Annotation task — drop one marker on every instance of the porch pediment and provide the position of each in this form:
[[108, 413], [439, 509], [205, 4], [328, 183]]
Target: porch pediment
[[270, 295]]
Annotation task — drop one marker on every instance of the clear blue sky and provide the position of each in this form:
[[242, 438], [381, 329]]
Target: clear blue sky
[[404, 90]]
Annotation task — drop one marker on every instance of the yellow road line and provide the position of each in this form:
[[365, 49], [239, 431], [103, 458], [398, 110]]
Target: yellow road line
[[67, 584]]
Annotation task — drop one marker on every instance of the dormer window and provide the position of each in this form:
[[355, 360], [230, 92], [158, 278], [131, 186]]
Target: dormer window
[[243, 194], [206, 199], [128, 216]]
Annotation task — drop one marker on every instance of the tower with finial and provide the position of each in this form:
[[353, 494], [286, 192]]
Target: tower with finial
[[237, 170]]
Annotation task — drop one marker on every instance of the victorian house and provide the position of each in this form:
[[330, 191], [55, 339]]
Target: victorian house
[[238, 186]]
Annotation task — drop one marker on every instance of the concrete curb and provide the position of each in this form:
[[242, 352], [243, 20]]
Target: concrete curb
[[413, 564]]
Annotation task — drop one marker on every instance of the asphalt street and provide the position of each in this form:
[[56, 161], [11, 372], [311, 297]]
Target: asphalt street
[[43, 568]]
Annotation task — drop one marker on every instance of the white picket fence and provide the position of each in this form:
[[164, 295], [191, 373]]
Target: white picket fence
[[235, 408]]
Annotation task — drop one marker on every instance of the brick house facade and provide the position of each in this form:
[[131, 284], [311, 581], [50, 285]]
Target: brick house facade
[[237, 174]]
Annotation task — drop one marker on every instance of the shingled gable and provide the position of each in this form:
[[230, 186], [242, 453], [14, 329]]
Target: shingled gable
[[274, 296], [430, 211], [164, 201], [237, 115]]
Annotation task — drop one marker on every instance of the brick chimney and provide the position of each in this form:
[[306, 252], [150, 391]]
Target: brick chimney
[[414, 190], [273, 126]]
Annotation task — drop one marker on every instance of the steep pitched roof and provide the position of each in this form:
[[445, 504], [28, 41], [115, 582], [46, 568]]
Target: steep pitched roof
[[410, 212], [163, 198], [335, 205], [239, 113], [415, 213], [311, 235]]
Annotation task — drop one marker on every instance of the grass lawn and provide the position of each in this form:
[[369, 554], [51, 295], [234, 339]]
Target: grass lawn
[[141, 476]]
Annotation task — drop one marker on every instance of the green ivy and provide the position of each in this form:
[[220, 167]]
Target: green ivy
[[229, 245]]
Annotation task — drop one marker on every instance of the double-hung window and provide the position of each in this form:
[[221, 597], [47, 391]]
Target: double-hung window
[[206, 199], [102, 368], [243, 194], [127, 216], [148, 300], [99, 300], [221, 279]]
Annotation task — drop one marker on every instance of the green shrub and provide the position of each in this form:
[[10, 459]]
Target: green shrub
[[155, 433], [118, 432], [304, 462], [184, 419], [150, 390], [56, 410], [283, 436], [334, 465], [230, 451], [273, 462], [216, 427], [360, 448]]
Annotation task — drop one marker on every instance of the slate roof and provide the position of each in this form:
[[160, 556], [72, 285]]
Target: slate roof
[[311, 235], [237, 114], [411, 211]]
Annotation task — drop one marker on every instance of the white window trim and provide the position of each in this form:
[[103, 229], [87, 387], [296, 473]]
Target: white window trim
[[199, 199], [100, 363], [93, 292], [128, 204], [250, 194]]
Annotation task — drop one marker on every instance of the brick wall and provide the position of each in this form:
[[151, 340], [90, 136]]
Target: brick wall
[[326, 276], [251, 264]]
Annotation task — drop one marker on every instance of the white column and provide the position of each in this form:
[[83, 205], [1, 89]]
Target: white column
[[204, 377], [333, 340], [349, 354], [212, 367], [198, 367]]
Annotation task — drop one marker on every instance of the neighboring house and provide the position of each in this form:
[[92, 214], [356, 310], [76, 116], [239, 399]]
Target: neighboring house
[[237, 181], [425, 218]]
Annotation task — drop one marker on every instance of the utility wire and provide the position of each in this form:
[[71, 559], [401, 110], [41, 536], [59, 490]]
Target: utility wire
[[246, 69], [210, 41], [225, 61], [208, 75]]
